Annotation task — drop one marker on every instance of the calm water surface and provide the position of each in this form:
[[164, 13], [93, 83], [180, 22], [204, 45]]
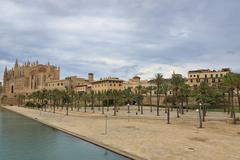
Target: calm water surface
[[24, 139]]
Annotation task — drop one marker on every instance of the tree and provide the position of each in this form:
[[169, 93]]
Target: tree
[[21, 99], [115, 95], [202, 95], [150, 89], [56, 95], [92, 95], [99, 97], [164, 89], [128, 95], [158, 80], [184, 92], [66, 100], [237, 85], [139, 97], [176, 82], [230, 81], [42, 96], [79, 96], [85, 98]]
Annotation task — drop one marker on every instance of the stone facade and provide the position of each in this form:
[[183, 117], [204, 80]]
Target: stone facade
[[28, 77], [212, 77], [1, 88]]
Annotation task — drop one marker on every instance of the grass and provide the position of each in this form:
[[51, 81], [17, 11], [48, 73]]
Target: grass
[[222, 110]]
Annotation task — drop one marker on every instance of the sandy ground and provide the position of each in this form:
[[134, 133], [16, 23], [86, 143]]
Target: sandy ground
[[148, 136]]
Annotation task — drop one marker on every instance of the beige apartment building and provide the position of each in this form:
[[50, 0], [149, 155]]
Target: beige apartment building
[[107, 84], [72, 82], [134, 82], [212, 77], [57, 84], [83, 88]]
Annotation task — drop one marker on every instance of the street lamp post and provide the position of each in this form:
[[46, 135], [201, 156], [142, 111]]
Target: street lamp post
[[200, 116], [106, 124]]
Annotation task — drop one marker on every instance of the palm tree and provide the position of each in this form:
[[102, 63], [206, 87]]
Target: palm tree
[[79, 95], [138, 97], [202, 93], [158, 80], [72, 94], [55, 97], [237, 85], [115, 95], [164, 89], [92, 100], [99, 98], [43, 96], [85, 98], [109, 96], [66, 100], [184, 93], [230, 81], [21, 99], [150, 89], [176, 82], [127, 95]]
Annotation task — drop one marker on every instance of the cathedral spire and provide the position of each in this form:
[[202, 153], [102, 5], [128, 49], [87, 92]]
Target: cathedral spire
[[5, 74], [16, 63], [5, 71]]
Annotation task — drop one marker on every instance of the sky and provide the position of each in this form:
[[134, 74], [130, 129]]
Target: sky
[[121, 38]]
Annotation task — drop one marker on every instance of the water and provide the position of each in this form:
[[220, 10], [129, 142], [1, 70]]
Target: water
[[24, 139]]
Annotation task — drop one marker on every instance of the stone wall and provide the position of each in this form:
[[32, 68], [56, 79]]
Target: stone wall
[[8, 100]]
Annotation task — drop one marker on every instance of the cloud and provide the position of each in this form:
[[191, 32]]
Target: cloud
[[121, 38]]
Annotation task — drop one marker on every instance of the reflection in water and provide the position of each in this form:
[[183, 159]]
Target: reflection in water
[[25, 139]]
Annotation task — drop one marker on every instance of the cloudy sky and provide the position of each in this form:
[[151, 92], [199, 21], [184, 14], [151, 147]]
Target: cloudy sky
[[121, 37]]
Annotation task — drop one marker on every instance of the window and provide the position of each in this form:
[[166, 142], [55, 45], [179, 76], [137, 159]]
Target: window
[[216, 75], [197, 76], [191, 81], [194, 75], [205, 76], [61, 84], [211, 75], [213, 80], [221, 75], [58, 84], [190, 75]]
